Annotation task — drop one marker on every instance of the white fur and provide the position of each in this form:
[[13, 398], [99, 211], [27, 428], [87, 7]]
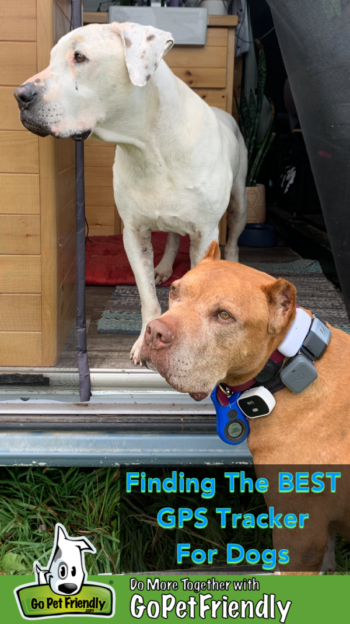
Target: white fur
[[66, 571], [179, 163]]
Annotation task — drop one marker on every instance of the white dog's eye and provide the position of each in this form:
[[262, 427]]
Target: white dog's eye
[[79, 58], [62, 570], [74, 571]]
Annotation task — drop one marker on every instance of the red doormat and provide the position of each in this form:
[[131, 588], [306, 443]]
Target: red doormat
[[108, 265]]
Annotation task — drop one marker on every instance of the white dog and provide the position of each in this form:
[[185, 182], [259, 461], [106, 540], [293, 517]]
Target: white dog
[[179, 163], [66, 571]]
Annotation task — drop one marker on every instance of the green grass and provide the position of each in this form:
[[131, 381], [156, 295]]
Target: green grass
[[122, 527], [32, 501]]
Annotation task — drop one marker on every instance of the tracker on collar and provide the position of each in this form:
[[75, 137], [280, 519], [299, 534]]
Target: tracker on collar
[[300, 372], [231, 424], [305, 341]]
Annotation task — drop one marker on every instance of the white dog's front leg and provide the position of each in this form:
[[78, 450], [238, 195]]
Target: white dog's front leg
[[139, 250], [200, 242], [164, 269]]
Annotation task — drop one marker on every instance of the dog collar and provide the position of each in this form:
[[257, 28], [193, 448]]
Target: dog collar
[[270, 370], [305, 341], [236, 405]]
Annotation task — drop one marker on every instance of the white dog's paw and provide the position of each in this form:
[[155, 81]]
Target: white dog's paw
[[161, 274], [136, 350]]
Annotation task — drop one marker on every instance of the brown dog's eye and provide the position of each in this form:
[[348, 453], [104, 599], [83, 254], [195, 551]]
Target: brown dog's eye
[[173, 291], [225, 316], [79, 58]]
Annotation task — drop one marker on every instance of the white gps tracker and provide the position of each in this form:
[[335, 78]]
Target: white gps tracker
[[256, 402], [295, 335]]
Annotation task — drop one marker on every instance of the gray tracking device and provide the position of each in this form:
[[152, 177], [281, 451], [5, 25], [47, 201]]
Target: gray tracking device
[[298, 374], [317, 340]]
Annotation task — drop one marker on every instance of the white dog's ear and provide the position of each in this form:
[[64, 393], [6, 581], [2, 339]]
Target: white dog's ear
[[62, 535], [144, 48], [63, 538], [84, 544]]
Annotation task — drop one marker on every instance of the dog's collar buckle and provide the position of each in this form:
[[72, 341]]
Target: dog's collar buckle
[[226, 390]]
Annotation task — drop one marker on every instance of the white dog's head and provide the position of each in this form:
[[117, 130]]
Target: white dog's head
[[66, 571], [92, 73]]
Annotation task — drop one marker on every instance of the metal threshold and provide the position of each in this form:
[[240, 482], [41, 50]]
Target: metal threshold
[[134, 418]]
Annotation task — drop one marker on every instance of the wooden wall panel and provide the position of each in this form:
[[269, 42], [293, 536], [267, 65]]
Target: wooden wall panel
[[99, 196], [67, 291], [102, 230], [57, 191], [217, 37], [20, 274], [118, 224], [100, 216], [205, 58], [96, 142], [20, 348], [19, 234], [66, 223], [66, 257], [19, 194], [66, 316], [99, 157], [18, 62], [20, 28], [9, 117], [98, 176], [213, 98], [62, 18], [18, 20], [66, 186], [101, 220], [19, 152], [20, 312], [36, 197], [202, 78], [65, 154], [230, 78]]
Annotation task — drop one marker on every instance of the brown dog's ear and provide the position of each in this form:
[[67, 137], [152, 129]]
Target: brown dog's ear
[[144, 48], [281, 298], [213, 252]]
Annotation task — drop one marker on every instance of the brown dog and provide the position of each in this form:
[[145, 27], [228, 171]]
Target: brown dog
[[224, 322]]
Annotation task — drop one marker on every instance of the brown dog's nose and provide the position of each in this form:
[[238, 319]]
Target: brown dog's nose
[[158, 334], [25, 94]]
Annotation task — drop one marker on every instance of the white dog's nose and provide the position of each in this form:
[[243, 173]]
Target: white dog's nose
[[67, 588], [25, 94]]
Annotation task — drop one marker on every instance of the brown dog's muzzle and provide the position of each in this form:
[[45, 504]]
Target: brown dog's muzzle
[[158, 335]]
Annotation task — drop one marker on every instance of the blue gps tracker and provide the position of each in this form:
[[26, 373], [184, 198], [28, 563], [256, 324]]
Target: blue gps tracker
[[231, 424]]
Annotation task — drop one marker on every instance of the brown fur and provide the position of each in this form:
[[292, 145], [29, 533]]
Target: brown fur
[[310, 428]]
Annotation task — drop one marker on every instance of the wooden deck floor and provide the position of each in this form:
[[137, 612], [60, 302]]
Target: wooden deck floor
[[112, 351]]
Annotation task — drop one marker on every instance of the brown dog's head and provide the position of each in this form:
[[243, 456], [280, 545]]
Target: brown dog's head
[[224, 322]]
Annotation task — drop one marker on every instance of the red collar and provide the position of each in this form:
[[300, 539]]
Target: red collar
[[276, 357]]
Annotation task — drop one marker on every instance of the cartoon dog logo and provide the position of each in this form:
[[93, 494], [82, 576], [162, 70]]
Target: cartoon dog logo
[[66, 571]]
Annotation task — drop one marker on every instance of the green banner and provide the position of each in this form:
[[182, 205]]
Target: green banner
[[176, 598], [39, 601]]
